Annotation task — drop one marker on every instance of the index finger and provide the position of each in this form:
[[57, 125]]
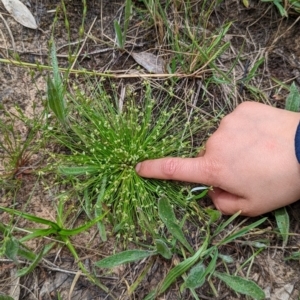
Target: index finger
[[197, 170]]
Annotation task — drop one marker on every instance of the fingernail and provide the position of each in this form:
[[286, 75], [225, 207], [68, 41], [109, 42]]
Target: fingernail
[[138, 167]]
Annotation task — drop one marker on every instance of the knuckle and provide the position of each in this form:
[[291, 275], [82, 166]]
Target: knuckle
[[210, 169], [169, 167]]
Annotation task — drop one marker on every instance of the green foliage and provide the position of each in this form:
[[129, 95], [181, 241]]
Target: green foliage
[[167, 215], [293, 100], [106, 140], [279, 5], [121, 35], [242, 286], [295, 5], [196, 277], [283, 223], [284, 7], [123, 258], [53, 227], [56, 90], [201, 265]]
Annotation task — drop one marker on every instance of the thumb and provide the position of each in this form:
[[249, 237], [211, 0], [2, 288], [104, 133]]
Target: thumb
[[230, 204], [197, 170]]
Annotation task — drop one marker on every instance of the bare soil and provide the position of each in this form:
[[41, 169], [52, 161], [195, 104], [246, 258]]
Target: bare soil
[[259, 30]]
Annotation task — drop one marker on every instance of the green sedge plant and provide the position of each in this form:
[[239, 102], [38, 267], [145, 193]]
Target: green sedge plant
[[105, 139], [58, 231]]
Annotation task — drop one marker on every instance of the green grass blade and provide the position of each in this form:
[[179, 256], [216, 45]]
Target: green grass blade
[[242, 286], [119, 34], [75, 231], [75, 171], [98, 210], [167, 215], [223, 225], [123, 258], [283, 223], [38, 258], [293, 99], [241, 232], [29, 217], [128, 8], [39, 233]]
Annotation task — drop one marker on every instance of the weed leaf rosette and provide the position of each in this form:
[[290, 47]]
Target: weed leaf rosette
[[104, 141]]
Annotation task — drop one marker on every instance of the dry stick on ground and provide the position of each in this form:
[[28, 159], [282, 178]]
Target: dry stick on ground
[[84, 42]]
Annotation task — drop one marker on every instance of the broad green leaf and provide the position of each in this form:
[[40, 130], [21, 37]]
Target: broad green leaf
[[25, 253], [163, 249], [283, 223], [11, 248], [123, 258], [293, 99], [196, 277], [38, 258], [167, 215], [74, 171], [242, 286]]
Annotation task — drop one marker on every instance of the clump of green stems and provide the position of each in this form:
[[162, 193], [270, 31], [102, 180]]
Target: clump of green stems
[[105, 141]]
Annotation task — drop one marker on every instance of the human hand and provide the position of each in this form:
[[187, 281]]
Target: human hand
[[250, 161]]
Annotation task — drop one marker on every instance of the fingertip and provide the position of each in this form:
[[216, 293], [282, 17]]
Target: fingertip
[[138, 167]]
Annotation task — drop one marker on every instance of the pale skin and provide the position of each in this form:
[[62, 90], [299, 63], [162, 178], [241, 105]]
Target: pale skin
[[249, 161]]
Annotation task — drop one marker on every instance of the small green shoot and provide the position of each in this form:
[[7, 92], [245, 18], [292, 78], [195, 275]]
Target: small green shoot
[[121, 34], [283, 224], [56, 90], [167, 215], [279, 5], [293, 99]]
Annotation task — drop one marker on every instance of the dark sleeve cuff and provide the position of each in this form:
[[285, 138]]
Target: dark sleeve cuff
[[297, 143]]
